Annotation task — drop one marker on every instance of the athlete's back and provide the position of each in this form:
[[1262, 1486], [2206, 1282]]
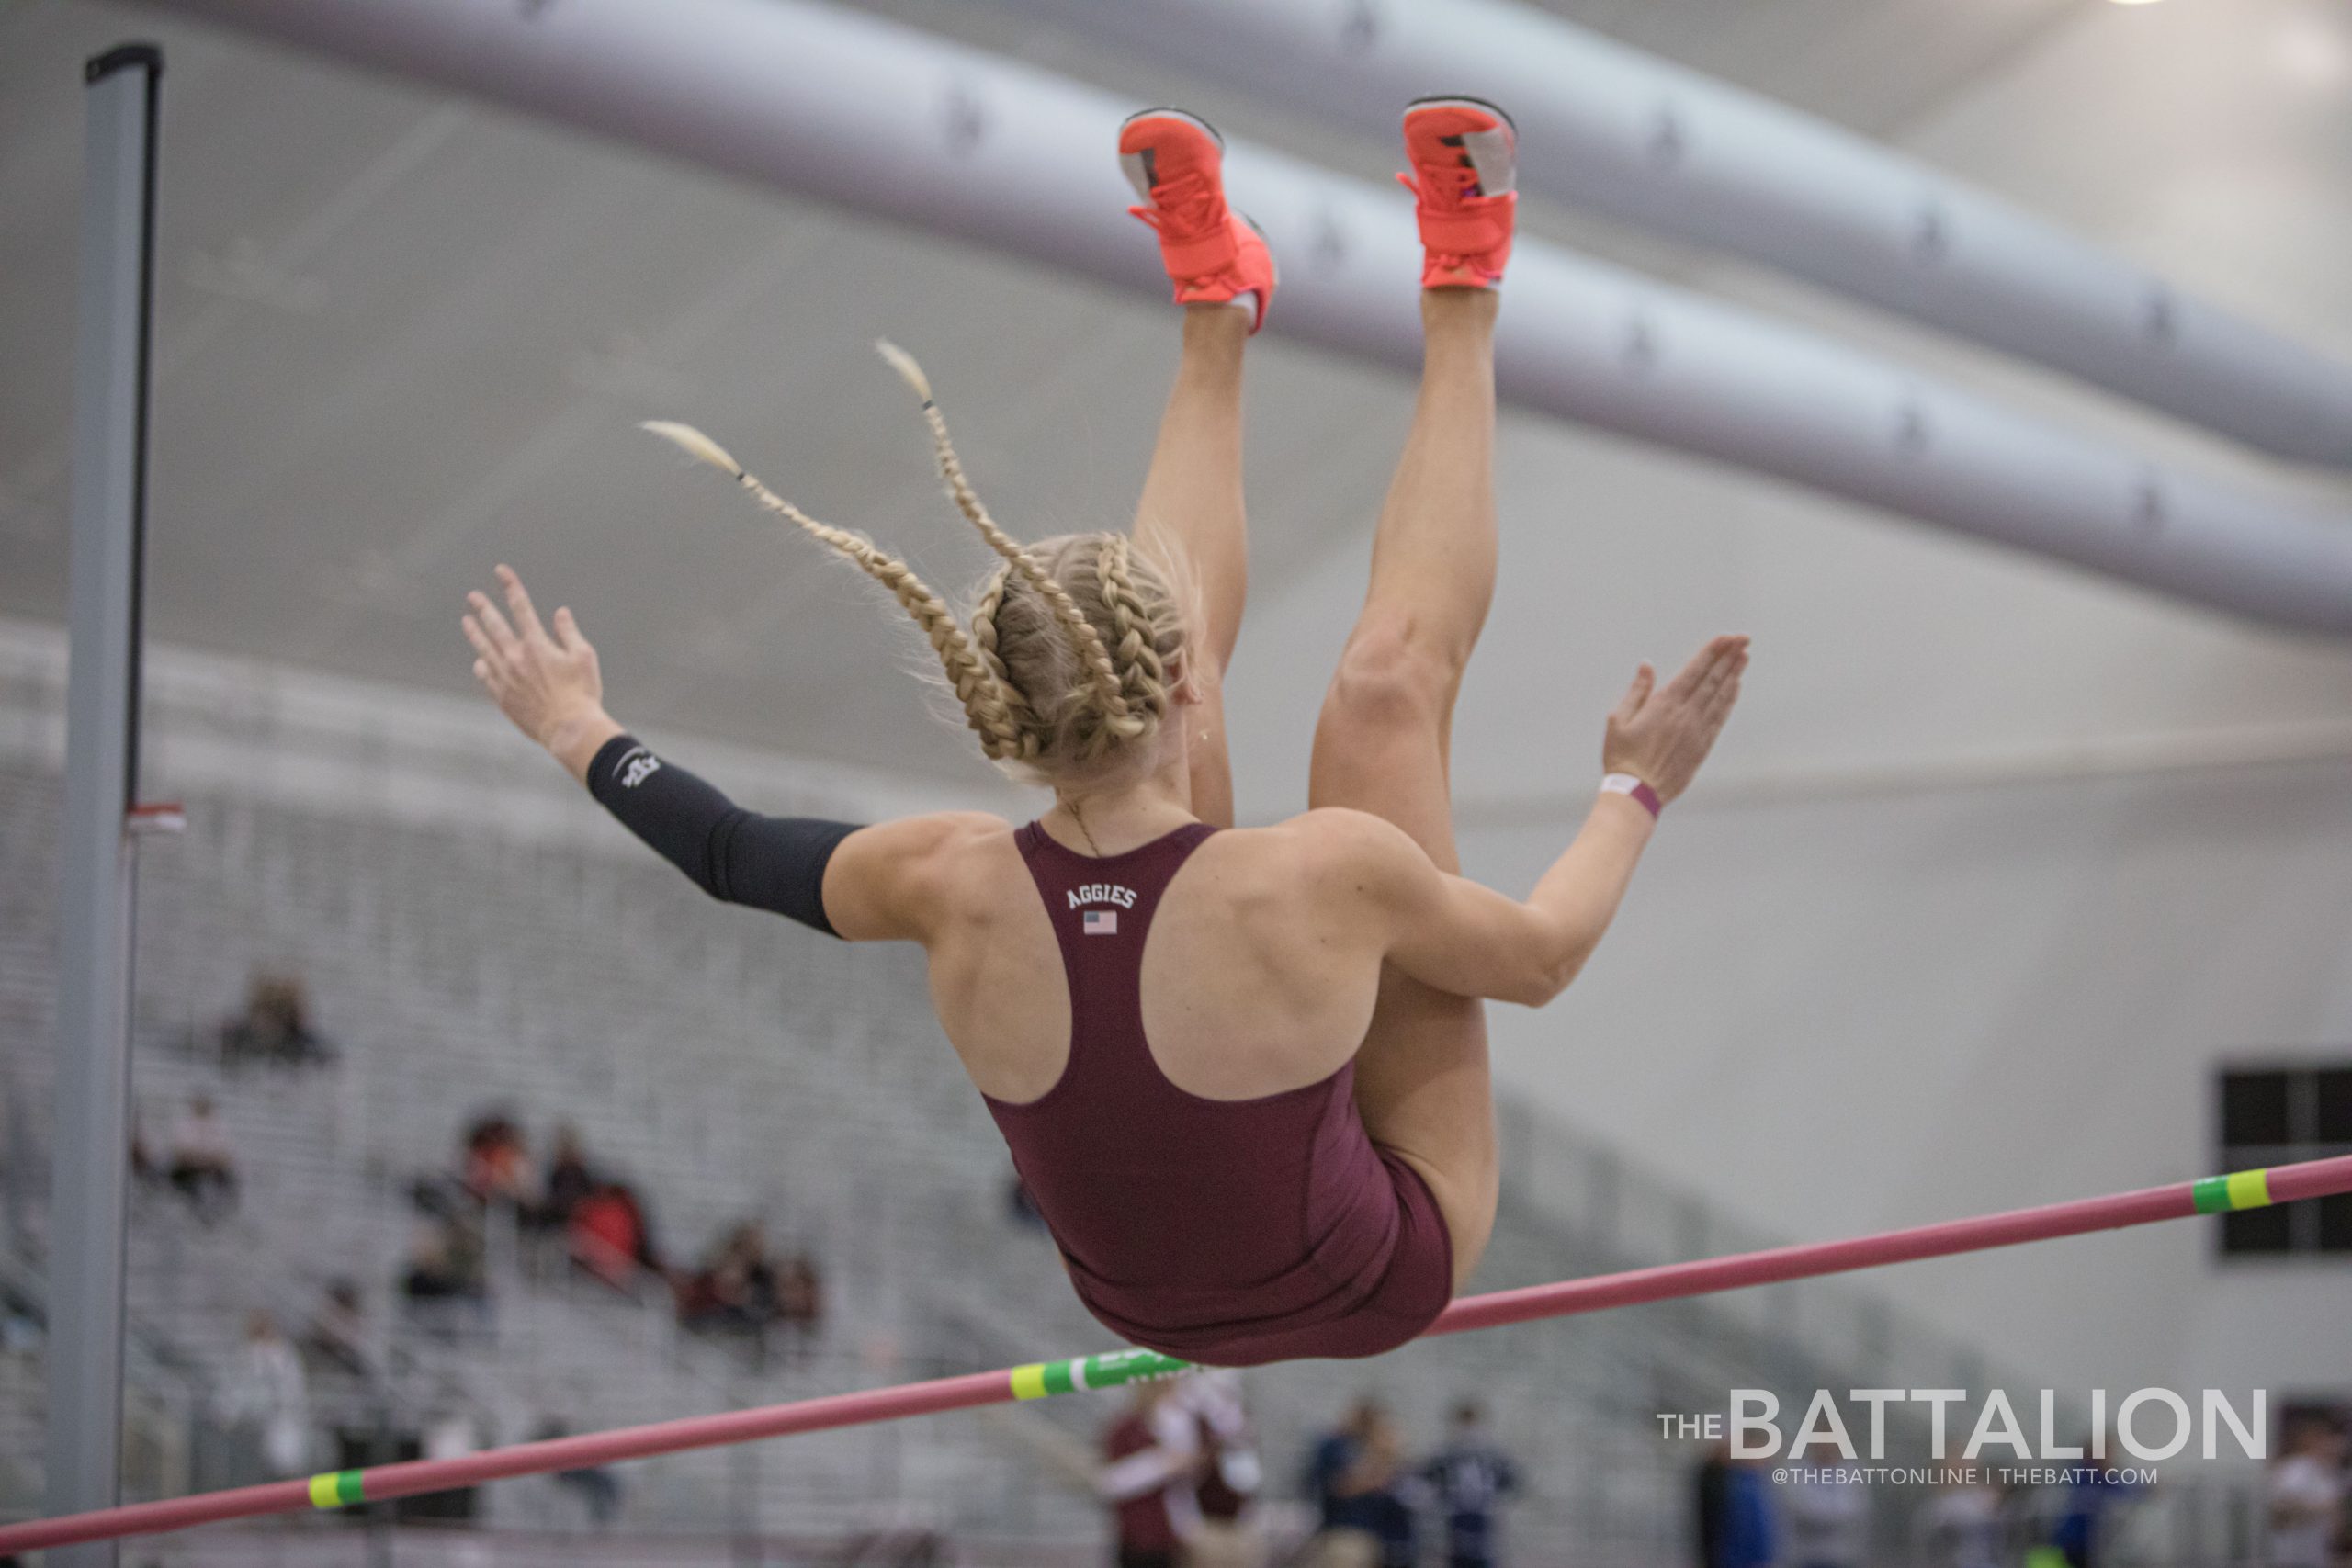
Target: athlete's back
[[1227, 1229], [1256, 978]]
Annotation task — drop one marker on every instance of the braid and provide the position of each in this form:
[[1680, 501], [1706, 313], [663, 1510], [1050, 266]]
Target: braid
[[1108, 689], [984, 643], [1142, 672], [989, 704]]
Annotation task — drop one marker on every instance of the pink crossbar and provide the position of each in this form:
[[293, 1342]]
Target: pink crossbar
[[2286, 1184]]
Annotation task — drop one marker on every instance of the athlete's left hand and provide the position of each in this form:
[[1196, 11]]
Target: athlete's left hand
[[546, 681], [1660, 735]]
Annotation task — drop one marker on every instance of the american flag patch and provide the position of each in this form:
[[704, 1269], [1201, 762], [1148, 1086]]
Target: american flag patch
[[1102, 922]]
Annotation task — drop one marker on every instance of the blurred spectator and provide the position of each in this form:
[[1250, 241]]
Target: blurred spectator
[[598, 1487], [1966, 1526], [265, 1398], [2082, 1519], [1735, 1513], [735, 1289], [443, 1265], [610, 1237], [452, 1430], [1468, 1479], [337, 1339], [1397, 1524], [1153, 1448], [201, 1164], [800, 1300], [1214, 1515], [496, 1167], [275, 1027], [1353, 1477], [2306, 1494], [567, 1180], [1826, 1515]]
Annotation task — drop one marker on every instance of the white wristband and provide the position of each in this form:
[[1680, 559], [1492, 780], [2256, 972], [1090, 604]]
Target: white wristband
[[1626, 784]]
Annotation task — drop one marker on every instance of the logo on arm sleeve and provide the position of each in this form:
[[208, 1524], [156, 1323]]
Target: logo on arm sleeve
[[637, 765]]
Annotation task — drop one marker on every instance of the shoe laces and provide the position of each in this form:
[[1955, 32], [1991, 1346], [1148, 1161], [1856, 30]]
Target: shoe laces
[[1444, 186], [1448, 184], [1184, 206]]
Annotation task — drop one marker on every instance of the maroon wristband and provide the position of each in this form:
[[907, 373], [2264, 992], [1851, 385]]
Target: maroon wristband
[[1626, 784]]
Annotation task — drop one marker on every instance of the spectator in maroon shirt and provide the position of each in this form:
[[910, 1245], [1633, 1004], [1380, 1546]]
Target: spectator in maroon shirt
[[1213, 1510], [610, 1237], [1150, 1450]]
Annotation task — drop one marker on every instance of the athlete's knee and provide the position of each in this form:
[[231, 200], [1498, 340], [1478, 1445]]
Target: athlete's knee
[[1395, 671]]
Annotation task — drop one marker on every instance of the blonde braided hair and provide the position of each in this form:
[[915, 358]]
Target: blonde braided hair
[[992, 707], [1143, 671], [984, 637], [1072, 640], [1110, 690]]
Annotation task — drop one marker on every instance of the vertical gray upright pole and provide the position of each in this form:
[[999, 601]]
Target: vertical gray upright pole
[[92, 1135]]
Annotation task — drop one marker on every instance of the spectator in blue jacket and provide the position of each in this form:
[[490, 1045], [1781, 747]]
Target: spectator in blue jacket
[[1736, 1524], [1468, 1479], [1352, 1478]]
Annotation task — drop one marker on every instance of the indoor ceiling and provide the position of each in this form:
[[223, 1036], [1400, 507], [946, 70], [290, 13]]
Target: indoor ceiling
[[401, 337], [1877, 65]]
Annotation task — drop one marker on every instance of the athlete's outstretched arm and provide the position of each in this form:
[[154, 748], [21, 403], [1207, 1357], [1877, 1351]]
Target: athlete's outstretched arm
[[1452, 933], [546, 680]]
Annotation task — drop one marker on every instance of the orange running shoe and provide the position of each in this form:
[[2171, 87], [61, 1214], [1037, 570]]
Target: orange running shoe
[[1176, 162], [1465, 154]]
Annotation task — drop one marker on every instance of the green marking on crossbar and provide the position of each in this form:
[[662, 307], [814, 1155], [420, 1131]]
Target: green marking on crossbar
[[2226, 1194], [1042, 1379]]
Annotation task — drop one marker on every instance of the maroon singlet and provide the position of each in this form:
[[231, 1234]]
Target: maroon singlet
[[1226, 1232]]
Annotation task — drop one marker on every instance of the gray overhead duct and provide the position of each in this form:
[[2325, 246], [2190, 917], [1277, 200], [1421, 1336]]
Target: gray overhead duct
[[891, 120], [1667, 149]]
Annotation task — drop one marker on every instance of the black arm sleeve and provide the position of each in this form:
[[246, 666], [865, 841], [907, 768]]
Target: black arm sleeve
[[768, 862]]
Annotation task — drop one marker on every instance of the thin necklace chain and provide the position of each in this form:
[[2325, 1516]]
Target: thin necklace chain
[[1071, 806]]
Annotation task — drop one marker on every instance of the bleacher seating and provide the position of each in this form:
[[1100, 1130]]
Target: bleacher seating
[[732, 1066]]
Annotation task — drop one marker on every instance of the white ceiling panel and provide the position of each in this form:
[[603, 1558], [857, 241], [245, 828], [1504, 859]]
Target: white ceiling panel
[[403, 337]]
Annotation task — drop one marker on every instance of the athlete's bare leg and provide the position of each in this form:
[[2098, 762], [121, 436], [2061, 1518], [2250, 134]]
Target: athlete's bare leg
[[1192, 502], [1422, 1083]]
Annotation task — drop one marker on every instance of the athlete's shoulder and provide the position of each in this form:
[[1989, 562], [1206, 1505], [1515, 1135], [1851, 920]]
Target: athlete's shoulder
[[960, 828], [1340, 832], [1339, 840], [936, 844], [893, 878]]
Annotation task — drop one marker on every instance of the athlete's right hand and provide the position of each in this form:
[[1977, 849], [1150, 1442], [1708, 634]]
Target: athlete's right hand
[[1660, 736], [546, 681]]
